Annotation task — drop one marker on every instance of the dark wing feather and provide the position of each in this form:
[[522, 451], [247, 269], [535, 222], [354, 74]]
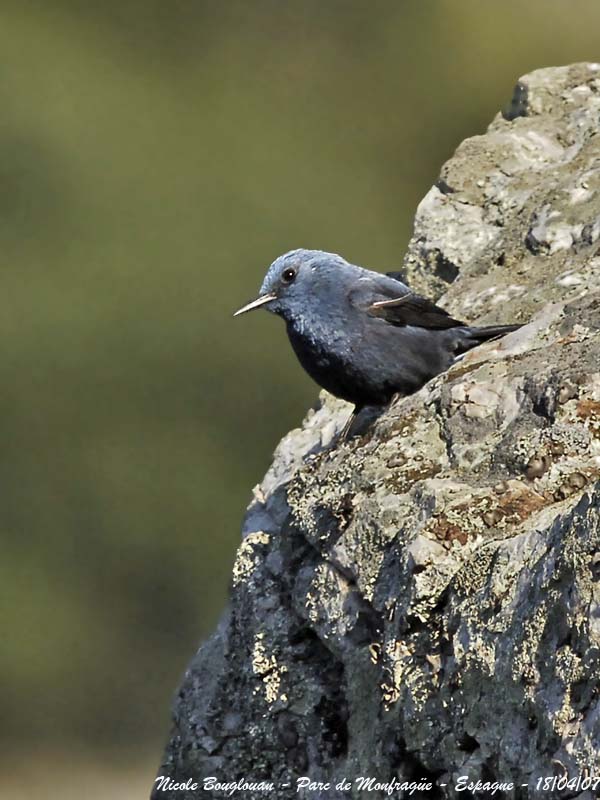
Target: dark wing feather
[[412, 309], [398, 275]]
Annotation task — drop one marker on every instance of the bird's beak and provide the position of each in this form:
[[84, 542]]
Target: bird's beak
[[260, 301]]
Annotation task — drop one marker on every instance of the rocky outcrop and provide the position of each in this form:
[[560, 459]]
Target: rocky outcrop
[[421, 603]]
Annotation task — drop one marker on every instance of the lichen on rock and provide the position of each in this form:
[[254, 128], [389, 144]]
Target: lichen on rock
[[423, 600]]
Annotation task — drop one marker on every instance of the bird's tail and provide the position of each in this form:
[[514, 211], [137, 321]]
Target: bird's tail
[[491, 332], [476, 336]]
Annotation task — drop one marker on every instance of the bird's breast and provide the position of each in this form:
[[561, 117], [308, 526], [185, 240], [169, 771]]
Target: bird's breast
[[329, 361]]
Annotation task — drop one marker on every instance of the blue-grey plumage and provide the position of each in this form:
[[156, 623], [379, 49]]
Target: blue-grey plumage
[[362, 335]]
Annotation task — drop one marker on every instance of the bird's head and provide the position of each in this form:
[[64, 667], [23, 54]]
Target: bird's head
[[297, 281]]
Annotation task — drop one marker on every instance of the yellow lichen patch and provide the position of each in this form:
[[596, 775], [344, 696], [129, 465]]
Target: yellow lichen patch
[[265, 666], [480, 652], [524, 666], [312, 606], [396, 655], [473, 574], [325, 599], [404, 670], [375, 652], [569, 669], [390, 695], [246, 557]]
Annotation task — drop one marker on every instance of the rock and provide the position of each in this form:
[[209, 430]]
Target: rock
[[423, 602]]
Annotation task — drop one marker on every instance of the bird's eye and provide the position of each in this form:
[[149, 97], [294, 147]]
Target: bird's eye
[[288, 275]]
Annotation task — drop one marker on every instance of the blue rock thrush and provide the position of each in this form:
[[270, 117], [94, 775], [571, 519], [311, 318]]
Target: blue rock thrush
[[362, 335]]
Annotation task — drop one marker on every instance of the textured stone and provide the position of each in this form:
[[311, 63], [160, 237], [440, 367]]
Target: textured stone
[[424, 600]]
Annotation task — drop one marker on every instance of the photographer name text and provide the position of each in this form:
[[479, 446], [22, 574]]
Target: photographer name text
[[393, 787]]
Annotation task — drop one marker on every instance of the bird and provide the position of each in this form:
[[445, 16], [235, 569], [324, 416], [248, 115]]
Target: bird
[[364, 336]]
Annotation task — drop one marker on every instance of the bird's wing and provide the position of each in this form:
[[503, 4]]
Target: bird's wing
[[397, 275], [406, 308]]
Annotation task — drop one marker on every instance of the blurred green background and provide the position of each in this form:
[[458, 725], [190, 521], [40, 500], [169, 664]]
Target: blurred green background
[[154, 158]]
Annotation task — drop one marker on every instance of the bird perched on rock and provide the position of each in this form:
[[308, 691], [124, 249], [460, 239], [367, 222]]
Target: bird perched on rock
[[362, 335]]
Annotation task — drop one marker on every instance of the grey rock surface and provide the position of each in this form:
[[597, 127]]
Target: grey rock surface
[[423, 602]]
